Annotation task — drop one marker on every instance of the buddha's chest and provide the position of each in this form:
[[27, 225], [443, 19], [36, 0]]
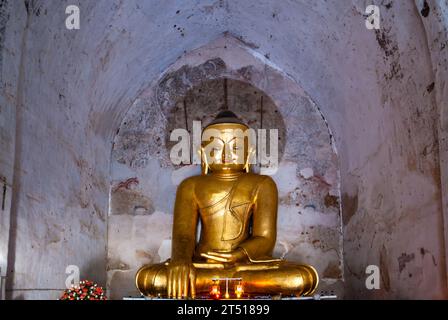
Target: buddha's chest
[[215, 193], [225, 208]]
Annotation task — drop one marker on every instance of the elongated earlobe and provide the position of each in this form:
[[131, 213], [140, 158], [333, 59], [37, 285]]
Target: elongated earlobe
[[204, 164], [247, 164]]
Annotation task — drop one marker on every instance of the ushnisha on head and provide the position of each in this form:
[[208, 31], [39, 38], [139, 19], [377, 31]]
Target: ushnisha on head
[[226, 146]]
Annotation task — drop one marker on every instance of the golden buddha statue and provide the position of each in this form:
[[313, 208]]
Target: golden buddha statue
[[238, 214]]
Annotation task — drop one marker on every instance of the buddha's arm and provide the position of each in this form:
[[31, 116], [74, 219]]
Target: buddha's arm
[[181, 273], [264, 228], [185, 222]]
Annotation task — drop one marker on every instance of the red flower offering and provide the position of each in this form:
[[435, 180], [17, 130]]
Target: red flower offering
[[87, 290]]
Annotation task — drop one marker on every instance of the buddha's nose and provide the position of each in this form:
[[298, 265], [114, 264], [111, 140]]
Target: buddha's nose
[[226, 156]]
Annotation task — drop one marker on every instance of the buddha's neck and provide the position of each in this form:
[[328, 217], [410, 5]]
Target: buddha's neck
[[227, 175]]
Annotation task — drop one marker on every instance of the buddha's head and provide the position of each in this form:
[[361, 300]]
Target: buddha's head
[[225, 146]]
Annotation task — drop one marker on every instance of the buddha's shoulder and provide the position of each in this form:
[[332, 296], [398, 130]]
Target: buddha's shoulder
[[259, 178], [190, 182]]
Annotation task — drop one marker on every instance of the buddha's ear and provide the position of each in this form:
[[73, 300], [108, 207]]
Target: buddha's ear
[[248, 160], [204, 163]]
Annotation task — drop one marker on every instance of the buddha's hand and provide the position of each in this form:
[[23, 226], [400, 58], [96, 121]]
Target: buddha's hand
[[181, 280], [226, 257]]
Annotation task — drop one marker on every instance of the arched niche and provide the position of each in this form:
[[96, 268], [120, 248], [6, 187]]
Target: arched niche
[[196, 87]]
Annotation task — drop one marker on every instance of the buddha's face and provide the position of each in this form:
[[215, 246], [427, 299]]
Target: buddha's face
[[225, 147]]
